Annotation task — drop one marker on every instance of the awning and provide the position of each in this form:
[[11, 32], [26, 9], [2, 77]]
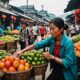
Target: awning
[[6, 11], [72, 5], [23, 15]]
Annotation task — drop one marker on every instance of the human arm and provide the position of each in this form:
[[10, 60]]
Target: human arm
[[69, 58], [37, 45]]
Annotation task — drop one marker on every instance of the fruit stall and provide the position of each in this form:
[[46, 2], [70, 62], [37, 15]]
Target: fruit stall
[[28, 65], [76, 40], [9, 43]]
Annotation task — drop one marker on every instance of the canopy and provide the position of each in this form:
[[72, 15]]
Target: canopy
[[6, 11], [73, 4]]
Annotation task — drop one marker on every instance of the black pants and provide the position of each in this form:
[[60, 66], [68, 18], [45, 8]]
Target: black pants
[[42, 35], [57, 73], [22, 44]]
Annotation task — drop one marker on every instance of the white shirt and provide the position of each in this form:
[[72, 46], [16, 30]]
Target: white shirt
[[35, 30], [77, 27], [72, 28]]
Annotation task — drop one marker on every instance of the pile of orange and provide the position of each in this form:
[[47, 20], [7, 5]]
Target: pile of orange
[[15, 32], [11, 64], [77, 48]]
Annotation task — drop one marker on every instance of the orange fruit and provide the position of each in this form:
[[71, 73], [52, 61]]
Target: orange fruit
[[21, 67], [2, 64], [5, 70], [22, 62], [17, 59], [15, 64], [7, 64], [7, 58], [3, 60], [27, 65], [11, 58], [12, 69], [26, 68]]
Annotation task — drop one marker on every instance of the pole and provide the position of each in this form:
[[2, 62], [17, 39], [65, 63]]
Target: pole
[[27, 6], [42, 7]]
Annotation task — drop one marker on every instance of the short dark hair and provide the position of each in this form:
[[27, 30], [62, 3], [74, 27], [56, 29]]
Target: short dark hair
[[66, 27], [58, 22]]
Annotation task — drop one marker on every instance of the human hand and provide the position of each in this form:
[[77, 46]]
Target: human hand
[[17, 54], [48, 56]]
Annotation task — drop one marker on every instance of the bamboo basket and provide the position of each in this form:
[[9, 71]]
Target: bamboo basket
[[9, 45], [18, 75], [39, 70], [2, 46]]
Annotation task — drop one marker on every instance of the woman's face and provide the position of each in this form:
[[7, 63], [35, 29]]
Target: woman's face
[[54, 30]]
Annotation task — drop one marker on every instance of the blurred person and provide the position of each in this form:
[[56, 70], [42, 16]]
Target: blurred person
[[24, 36], [35, 33], [18, 27], [67, 30], [1, 32], [42, 30], [31, 35], [73, 30]]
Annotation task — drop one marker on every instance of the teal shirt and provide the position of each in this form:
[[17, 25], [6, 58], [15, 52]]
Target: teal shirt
[[1, 31], [67, 55]]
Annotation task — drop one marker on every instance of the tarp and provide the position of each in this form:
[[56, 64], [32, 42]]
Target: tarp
[[5, 10], [73, 4]]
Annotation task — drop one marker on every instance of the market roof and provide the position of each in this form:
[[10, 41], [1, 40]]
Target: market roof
[[28, 9], [73, 4], [11, 7], [23, 15], [19, 12], [5, 10]]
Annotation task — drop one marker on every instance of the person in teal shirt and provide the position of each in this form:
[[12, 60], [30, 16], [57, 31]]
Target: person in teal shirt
[[1, 32], [61, 54]]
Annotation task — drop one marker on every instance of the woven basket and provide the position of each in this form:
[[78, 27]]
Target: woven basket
[[2, 46], [18, 75], [39, 70], [9, 45]]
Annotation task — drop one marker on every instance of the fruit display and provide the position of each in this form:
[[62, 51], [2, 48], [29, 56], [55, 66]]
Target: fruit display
[[7, 38], [8, 32], [3, 53], [34, 57], [16, 37], [76, 38], [2, 42], [77, 49], [15, 32], [11, 64]]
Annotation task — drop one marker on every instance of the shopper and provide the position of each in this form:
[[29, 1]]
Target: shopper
[[18, 27], [73, 30], [67, 30], [24, 36], [35, 32], [1, 32], [42, 31], [31, 36], [61, 54]]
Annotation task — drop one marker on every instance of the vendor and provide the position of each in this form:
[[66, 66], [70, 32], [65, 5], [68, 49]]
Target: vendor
[[61, 54]]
